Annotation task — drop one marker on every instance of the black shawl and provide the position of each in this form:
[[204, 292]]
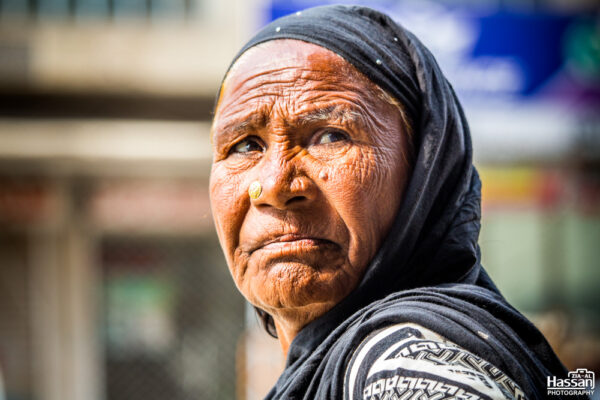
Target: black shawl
[[428, 269]]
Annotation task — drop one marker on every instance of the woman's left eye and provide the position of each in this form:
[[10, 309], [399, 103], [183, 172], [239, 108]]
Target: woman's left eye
[[331, 136], [247, 145]]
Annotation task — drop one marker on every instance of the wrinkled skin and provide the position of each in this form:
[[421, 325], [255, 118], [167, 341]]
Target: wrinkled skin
[[327, 149]]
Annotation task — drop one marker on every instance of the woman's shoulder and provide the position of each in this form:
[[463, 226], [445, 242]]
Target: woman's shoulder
[[406, 360]]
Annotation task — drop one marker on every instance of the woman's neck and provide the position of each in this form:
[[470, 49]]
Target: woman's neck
[[290, 322]]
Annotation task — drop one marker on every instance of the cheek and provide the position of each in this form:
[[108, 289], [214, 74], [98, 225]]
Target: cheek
[[362, 190], [229, 203], [360, 180]]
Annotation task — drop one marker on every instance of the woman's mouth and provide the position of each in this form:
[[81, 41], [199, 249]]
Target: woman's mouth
[[292, 243]]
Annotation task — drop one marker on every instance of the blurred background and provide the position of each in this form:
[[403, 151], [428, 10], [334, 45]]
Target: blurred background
[[112, 283]]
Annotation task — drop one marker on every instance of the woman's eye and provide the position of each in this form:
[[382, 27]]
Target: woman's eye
[[331, 137], [247, 145]]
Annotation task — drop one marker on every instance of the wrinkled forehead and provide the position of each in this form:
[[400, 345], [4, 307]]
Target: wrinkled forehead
[[289, 60], [289, 51]]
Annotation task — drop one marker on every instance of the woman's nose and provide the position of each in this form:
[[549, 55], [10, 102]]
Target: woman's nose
[[284, 186]]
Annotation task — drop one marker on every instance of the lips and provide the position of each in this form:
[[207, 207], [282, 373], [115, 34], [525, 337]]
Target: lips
[[293, 242]]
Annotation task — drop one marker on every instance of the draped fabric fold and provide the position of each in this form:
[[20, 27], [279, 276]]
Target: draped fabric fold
[[428, 269]]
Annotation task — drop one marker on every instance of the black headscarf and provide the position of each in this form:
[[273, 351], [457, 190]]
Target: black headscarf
[[428, 269]]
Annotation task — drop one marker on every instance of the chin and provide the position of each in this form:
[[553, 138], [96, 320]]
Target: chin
[[293, 285]]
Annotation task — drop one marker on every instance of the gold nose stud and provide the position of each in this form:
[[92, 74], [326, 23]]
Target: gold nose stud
[[254, 190]]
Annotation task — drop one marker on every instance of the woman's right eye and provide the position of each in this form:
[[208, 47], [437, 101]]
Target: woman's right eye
[[247, 145]]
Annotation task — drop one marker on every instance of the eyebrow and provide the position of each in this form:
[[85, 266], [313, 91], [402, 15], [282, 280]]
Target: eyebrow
[[256, 120], [237, 127], [333, 112]]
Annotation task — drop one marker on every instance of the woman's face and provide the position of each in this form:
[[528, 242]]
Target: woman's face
[[326, 148]]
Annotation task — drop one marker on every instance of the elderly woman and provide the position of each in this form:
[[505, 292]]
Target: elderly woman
[[347, 207]]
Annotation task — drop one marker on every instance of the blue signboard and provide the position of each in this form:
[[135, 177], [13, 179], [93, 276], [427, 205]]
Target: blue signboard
[[496, 52]]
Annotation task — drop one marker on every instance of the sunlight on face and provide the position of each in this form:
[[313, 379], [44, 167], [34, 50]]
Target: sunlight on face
[[327, 151]]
